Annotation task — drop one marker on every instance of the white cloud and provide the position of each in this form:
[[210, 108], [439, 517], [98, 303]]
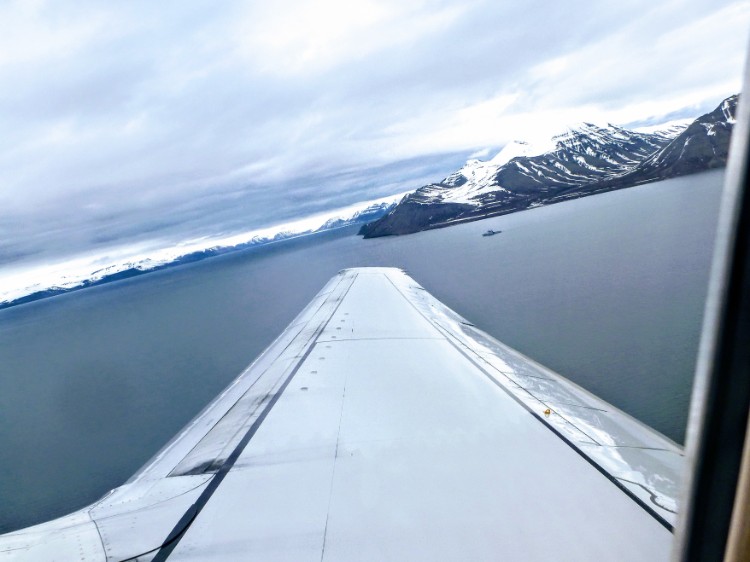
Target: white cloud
[[27, 36], [292, 37], [123, 122]]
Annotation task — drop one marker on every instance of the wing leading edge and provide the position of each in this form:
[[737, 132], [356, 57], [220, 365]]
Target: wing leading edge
[[382, 425]]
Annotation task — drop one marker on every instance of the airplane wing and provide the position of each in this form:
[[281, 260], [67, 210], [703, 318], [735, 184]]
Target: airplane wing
[[381, 425]]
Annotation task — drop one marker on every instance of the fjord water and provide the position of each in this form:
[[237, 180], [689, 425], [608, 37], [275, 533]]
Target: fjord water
[[608, 290]]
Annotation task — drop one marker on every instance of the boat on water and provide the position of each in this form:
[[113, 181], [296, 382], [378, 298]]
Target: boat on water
[[491, 232]]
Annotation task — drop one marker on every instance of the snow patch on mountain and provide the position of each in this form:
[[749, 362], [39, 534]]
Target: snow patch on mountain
[[521, 148], [728, 108]]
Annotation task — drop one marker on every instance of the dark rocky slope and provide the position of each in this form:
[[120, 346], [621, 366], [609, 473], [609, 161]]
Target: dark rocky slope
[[584, 161]]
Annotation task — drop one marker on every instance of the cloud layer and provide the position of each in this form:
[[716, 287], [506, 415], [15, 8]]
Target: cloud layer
[[141, 120]]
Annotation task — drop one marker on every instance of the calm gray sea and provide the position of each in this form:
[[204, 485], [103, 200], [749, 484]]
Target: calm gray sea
[[607, 290]]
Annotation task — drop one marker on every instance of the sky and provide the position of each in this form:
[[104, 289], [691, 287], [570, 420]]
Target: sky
[[146, 124]]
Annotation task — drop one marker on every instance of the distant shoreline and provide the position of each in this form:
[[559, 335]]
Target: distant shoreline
[[191, 258]]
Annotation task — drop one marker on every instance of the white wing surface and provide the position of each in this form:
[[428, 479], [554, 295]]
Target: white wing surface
[[383, 426]]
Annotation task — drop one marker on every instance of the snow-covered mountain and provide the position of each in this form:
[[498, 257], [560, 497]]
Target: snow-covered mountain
[[583, 160], [704, 144], [42, 281]]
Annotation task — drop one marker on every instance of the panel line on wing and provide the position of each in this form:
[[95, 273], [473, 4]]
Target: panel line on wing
[[380, 339], [228, 465], [210, 452], [163, 462], [333, 472]]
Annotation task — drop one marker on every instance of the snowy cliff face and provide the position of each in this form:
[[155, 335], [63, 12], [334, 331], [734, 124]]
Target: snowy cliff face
[[583, 160]]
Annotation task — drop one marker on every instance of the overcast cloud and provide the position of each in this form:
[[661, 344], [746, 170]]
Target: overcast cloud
[[136, 120]]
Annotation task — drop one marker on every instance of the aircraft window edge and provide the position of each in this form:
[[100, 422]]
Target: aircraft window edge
[[718, 417]]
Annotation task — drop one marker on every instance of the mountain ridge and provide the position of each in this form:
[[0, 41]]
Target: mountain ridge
[[581, 161]]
